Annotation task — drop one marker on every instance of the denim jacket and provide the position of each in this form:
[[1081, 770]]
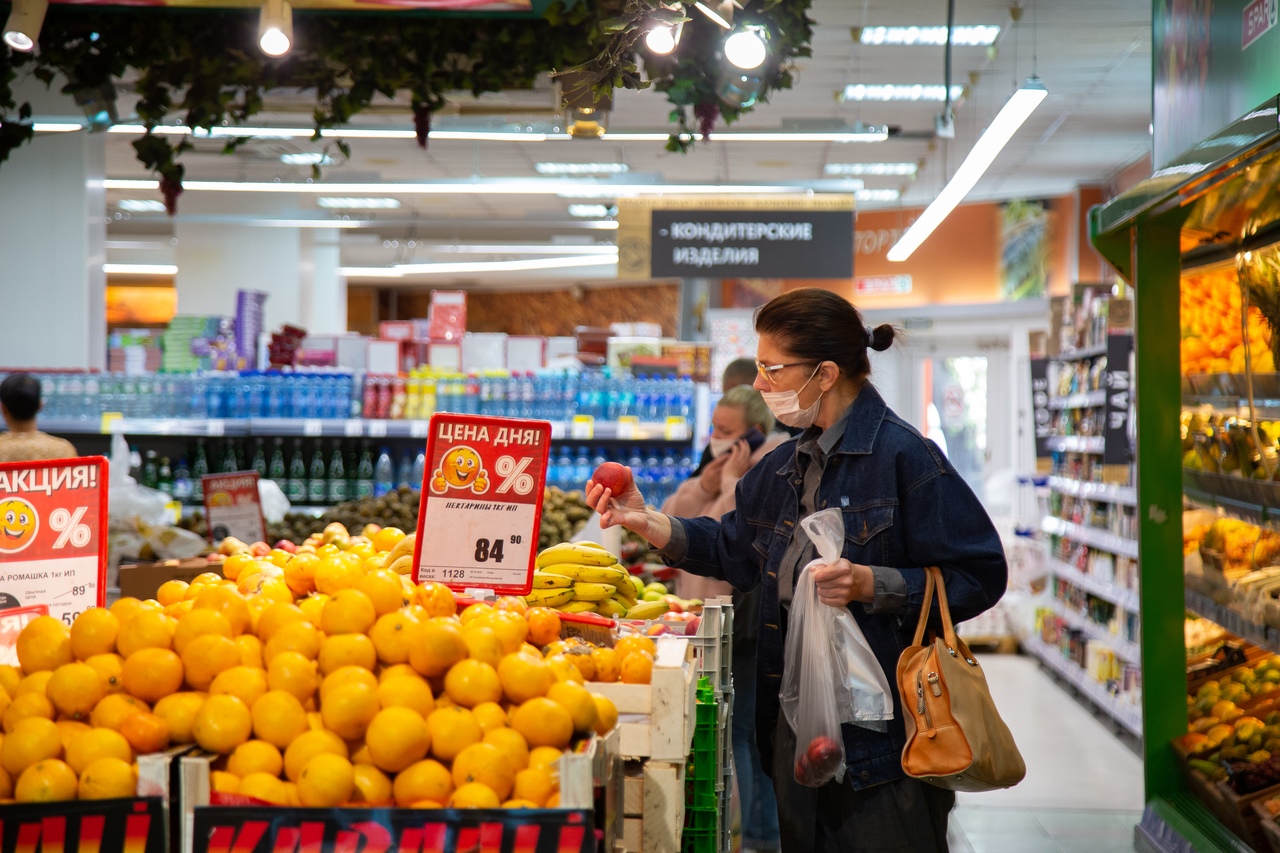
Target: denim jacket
[[905, 507]]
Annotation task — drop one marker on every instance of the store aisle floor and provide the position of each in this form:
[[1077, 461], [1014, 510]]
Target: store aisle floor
[[1083, 790]]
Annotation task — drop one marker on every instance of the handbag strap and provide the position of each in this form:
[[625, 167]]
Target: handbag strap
[[932, 578]]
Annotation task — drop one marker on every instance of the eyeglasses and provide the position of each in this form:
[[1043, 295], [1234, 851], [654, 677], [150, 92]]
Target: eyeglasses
[[768, 370]]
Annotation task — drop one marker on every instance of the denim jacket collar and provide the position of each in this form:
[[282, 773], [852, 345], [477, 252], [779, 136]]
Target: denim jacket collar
[[866, 413]]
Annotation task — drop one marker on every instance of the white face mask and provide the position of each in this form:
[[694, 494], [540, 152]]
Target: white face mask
[[720, 445], [785, 405]]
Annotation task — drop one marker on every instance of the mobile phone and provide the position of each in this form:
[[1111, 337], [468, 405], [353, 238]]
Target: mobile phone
[[754, 439]]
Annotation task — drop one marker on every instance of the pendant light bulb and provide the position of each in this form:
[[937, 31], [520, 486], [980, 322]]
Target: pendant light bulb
[[275, 28], [745, 49], [22, 30], [661, 39]]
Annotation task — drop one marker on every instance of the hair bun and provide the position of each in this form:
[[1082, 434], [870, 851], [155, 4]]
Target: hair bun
[[882, 337]]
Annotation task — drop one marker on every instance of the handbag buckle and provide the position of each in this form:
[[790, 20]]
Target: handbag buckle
[[953, 651]]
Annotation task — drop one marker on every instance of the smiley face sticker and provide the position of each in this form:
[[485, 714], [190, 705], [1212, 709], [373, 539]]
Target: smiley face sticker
[[461, 468], [19, 524]]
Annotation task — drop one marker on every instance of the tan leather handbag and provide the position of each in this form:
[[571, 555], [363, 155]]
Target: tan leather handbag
[[955, 738]]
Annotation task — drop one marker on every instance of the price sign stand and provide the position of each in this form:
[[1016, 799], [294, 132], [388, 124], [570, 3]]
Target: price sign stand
[[233, 507], [53, 543], [482, 503]]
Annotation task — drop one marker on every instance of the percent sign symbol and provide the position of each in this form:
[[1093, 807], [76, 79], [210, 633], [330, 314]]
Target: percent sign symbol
[[69, 528], [515, 478]]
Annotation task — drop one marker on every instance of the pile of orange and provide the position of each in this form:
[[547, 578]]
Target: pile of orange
[[1212, 338], [318, 679]]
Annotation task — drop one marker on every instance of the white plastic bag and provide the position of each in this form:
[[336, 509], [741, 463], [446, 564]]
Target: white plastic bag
[[831, 676], [274, 503]]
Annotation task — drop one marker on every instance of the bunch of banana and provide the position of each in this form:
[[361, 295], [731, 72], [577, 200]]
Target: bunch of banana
[[582, 577], [400, 558]]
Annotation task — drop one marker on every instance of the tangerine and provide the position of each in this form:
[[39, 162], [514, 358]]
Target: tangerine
[[436, 598], [94, 633], [31, 741], [349, 611], [152, 673], [435, 646], [486, 764], [74, 689], [147, 629], [44, 644], [512, 744], [384, 589], [452, 730], [474, 795], [483, 644], [301, 636], [229, 603], [543, 722], [397, 738], [544, 625], [470, 682], [108, 779], [292, 672], [179, 711], [637, 668], [525, 677], [222, 723], [146, 733], [326, 780], [407, 692], [390, 636], [278, 717], [308, 745], [110, 668], [197, 623], [246, 682], [114, 709], [425, 780], [206, 657], [372, 786], [343, 650], [46, 781], [348, 710]]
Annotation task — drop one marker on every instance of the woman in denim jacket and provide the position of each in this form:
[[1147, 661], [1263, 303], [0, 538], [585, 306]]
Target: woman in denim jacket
[[904, 507]]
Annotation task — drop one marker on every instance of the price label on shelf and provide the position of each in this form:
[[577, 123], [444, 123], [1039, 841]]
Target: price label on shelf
[[53, 543], [557, 430], [582, 428], [215, 428], [482, 502], [377, 429], [419, 429], [312, 427], [353, 428], [627, 427], [677, 429], [111, 421]]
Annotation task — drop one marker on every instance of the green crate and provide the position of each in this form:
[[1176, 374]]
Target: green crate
[[699, 841], [702, 766]]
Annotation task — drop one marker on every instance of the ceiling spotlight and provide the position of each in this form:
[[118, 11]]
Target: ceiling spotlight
[[23, 28], [720, 12], [745, 49], [663, 38], [275, 28]]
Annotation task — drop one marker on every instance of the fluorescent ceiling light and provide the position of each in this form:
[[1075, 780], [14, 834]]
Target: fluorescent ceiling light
[[873, 169], [966, 36], [141, 205], [722, 13], [359, 203], [899, 92], [877, 195], [531, 186], [56, 127], [520, 249], [140, 269], [993, 139], [401, 270], [306, 158], [581, 168], [591, 211]]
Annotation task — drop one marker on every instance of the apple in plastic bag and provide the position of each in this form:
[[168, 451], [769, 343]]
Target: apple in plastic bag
[[822, 751], [614, 477]]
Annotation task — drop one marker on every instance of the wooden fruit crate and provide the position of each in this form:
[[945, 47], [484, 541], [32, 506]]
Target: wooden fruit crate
[[1237, 813], [1268, 827], [653, 806], [656, 720]]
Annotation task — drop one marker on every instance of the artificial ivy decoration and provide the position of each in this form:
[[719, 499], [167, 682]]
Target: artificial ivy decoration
[[203, 68]]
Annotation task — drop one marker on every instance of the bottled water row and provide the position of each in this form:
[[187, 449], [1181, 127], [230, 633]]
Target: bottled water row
[[659, 471]]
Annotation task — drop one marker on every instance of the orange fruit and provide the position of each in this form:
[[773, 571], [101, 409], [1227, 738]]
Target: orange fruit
[[546, 758], [425, 780], [343, 650], [525, 677], [543, 723], [513, 603], [27, 706], [637, 668], [337, 572], [606, 714], [313, 606], [245, 682], [372, 786], [44, 644], [229, 603], [585, 663], [36, 682], [452, 730], [308, 745], [475, 611], [510, 627], [108, 779], [348, 710], [300, 573], [384, 589], [173, 591], [236, 564], [255, 756], [222, 782], [486, 764], [198, 623], [398, 670], [206, 657], [110, 668], [435, 646], [407, 692], [46, 782], [278, 718], [32, 740], [265, 787], [490, 716], [222, 724], [301, 636], [250, 651], [147, 629], [114, 709], [327, 780], [544, 625], [390, 636], [10, 678], [349, 611], [512, 744], [275, 617], [292, 672], [608, 665], [519, 804], [152, 673], [635, 642], [436, 598], [74, 689], [179, 711], [177, 611], [483, 644], [534, 784], [474, 795], [397, 738], [126, 607], [94, 633], [563, 669], [387, 538], [575, 699], [470, 682], [344, 676], [278, 557], [146, 733], [88, 746], [69, 730]]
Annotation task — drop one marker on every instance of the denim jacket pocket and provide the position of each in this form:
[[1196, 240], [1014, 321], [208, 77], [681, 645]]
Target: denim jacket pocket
[[863, 523]]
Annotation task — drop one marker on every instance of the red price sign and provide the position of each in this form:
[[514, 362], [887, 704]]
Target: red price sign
[[53, 544], [12, 622], [233, 507], [482, 502]]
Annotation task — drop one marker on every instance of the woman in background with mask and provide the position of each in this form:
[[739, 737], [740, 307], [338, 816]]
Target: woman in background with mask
[[742, 434], [904, 508]]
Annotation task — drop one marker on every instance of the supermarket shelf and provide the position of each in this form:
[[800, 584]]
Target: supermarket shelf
[[579, 429], [1090, 536], [1076, 443], [1087, 400], [1124, 649], [1126, 495], [1119, 596], [1082, 353], [1259, 635], [1128, 717]]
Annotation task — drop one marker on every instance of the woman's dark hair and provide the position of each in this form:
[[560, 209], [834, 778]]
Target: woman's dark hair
[[20, 394], [818, 325]]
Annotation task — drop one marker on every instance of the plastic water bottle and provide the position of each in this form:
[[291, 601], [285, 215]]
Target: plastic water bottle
[[564, 468], [686, 397], [554, 473], [383, 474], [419, 472], [581, 467], [404, 473], [485, 385], [667, 475], [598, 458]]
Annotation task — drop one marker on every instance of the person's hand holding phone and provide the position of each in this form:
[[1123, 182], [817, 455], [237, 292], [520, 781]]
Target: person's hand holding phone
[[738, 463]]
